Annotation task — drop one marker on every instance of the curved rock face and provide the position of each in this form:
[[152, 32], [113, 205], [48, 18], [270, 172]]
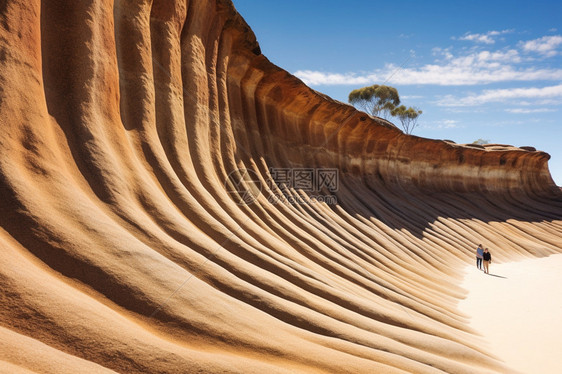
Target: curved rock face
[[149, 223]]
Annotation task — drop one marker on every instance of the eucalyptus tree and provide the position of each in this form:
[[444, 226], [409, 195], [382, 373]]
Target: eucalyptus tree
[[408, 117], [377, 100]]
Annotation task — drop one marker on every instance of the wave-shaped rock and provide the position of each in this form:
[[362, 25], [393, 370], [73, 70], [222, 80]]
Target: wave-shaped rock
[[131, 135]]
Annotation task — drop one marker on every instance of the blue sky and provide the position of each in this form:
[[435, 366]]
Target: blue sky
[[478, 69]]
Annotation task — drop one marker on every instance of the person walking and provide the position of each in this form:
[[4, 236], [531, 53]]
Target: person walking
[[487, 260], [479, 253]]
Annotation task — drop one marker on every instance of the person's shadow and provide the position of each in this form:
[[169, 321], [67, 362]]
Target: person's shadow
[[497, 276]]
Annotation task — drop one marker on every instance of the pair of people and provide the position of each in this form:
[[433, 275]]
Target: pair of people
[[483, 259]]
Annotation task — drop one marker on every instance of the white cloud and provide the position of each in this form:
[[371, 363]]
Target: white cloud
[[528, 110], [479, 68], [487, 38], [546, 46], [442, 124], [445, 52], [447, 124], [501, 95], [318, 78], [473, 67]]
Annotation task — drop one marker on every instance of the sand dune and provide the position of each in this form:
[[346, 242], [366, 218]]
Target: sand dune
[[146, 227]]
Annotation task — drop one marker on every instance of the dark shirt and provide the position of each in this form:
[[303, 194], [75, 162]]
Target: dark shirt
[[487, 256]]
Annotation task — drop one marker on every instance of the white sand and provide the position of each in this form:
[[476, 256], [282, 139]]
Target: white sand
[[518, 310]]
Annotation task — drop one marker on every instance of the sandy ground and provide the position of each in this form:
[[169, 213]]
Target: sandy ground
[[518, 310]]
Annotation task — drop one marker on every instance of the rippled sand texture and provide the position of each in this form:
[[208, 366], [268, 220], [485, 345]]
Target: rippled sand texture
[[122, 250]]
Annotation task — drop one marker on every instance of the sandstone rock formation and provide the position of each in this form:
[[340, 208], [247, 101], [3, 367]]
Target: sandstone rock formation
[[123, 248]]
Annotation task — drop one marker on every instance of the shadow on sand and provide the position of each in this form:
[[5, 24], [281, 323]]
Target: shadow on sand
[[497, 276]]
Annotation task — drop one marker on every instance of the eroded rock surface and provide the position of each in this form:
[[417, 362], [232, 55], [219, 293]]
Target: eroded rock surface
[[122, 249]]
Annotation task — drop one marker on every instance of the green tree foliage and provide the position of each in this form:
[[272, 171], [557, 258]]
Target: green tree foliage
[[408, 117], [382, 101], [377, 100], [481, 141]]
